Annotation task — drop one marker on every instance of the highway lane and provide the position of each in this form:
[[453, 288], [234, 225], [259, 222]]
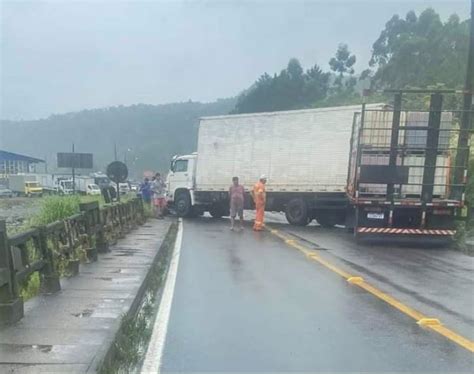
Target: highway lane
[[434, 279], [248, 302]]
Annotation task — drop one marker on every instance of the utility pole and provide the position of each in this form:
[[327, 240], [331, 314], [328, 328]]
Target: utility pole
[[462, 155], [115, 151]]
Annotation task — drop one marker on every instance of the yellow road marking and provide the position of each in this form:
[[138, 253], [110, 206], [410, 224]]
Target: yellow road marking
[[355, 280], [422, 320], [429, 322]]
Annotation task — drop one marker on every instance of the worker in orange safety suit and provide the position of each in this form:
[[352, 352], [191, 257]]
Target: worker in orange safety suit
[[259, 197]]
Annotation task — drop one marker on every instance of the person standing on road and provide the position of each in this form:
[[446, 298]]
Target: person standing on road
[[259, 197], [236, 197], [158, 189], [145, 191]]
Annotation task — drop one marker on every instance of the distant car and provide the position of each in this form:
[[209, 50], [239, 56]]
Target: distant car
[[134, 187], [5, 192], [124, 188], [93, 189]]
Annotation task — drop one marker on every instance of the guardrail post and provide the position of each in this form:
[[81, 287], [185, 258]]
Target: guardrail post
[[128, 215], [90, 211], [11, 304], [141, 208], [120, 220], [101, 239], [50, 279]]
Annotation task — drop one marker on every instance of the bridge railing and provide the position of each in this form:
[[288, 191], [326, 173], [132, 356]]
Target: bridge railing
[[57, 249]]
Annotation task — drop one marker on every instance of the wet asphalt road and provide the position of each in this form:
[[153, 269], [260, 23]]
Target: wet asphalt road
[[248, 302]]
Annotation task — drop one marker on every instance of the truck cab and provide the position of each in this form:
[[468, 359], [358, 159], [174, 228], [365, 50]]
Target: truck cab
[[65, 186], [33, 188], [180, 182], [93, 189]]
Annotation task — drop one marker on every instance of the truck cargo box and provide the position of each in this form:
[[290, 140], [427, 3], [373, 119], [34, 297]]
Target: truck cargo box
[[301, 150]]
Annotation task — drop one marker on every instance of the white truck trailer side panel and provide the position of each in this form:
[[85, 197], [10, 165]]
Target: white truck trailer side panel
[[302, 150]]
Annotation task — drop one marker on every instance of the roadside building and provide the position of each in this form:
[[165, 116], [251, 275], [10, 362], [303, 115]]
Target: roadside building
[[14, 163]]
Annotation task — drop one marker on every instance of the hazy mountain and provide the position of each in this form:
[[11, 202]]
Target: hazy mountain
[[146, 135]]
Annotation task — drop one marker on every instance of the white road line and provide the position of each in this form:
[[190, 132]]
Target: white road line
[[152, 362]]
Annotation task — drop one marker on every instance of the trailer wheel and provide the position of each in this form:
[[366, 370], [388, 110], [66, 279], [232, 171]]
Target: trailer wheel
[[296, 212], [183, 205]]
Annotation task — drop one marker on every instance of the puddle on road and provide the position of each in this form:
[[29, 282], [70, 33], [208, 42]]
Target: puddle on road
[[45, 348], [84, 314], [114, 300], [25, 348], [103, 278]]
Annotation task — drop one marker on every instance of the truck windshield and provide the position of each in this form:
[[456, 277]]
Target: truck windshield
[[102, 180], [180, 166]]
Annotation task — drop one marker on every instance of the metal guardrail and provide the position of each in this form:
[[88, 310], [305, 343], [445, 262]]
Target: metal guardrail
[[57, 249]]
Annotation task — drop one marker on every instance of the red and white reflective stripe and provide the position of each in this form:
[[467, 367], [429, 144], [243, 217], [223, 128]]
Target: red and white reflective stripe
[[387, 230]]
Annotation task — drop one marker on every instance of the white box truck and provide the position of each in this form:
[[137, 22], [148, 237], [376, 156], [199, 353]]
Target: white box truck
[[25, 185], [304, 154], [380, 170], [85, 185]]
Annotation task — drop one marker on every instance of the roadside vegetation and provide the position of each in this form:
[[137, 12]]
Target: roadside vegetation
[[55, 208], [51, 209]]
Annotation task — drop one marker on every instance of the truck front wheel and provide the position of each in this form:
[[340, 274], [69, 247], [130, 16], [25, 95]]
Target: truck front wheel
[[218, 211], [183, 205], [296, 212]]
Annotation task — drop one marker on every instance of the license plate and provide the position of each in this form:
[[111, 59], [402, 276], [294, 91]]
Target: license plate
[[375, 216]]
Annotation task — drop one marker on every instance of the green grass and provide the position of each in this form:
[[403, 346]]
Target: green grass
[[31, 287], [56, 208]]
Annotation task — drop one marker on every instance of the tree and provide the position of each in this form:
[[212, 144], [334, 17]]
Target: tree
[[343, 63], [316, 85], [420, 51], [292, 88]]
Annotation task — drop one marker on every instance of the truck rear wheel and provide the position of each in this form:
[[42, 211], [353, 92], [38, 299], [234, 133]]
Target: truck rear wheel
[[296, 212], [183, 205]]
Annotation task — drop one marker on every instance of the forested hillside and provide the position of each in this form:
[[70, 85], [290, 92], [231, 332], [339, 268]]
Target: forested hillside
[[146, 135], [412, 51]]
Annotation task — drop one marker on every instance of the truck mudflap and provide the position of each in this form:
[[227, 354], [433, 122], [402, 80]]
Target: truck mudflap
[[405, 231]]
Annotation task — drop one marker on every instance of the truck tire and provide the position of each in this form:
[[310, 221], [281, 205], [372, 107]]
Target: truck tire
[[296, 212], [328, 219], [217, 211], [183, 205]]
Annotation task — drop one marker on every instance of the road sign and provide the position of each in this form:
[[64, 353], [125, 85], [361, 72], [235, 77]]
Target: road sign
[[117, 171], [75, 160]]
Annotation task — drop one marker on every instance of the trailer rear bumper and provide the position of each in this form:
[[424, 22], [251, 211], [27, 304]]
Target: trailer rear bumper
[[404, 231]]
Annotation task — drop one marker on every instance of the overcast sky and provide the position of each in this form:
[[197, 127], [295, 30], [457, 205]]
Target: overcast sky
[[64, 56]]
